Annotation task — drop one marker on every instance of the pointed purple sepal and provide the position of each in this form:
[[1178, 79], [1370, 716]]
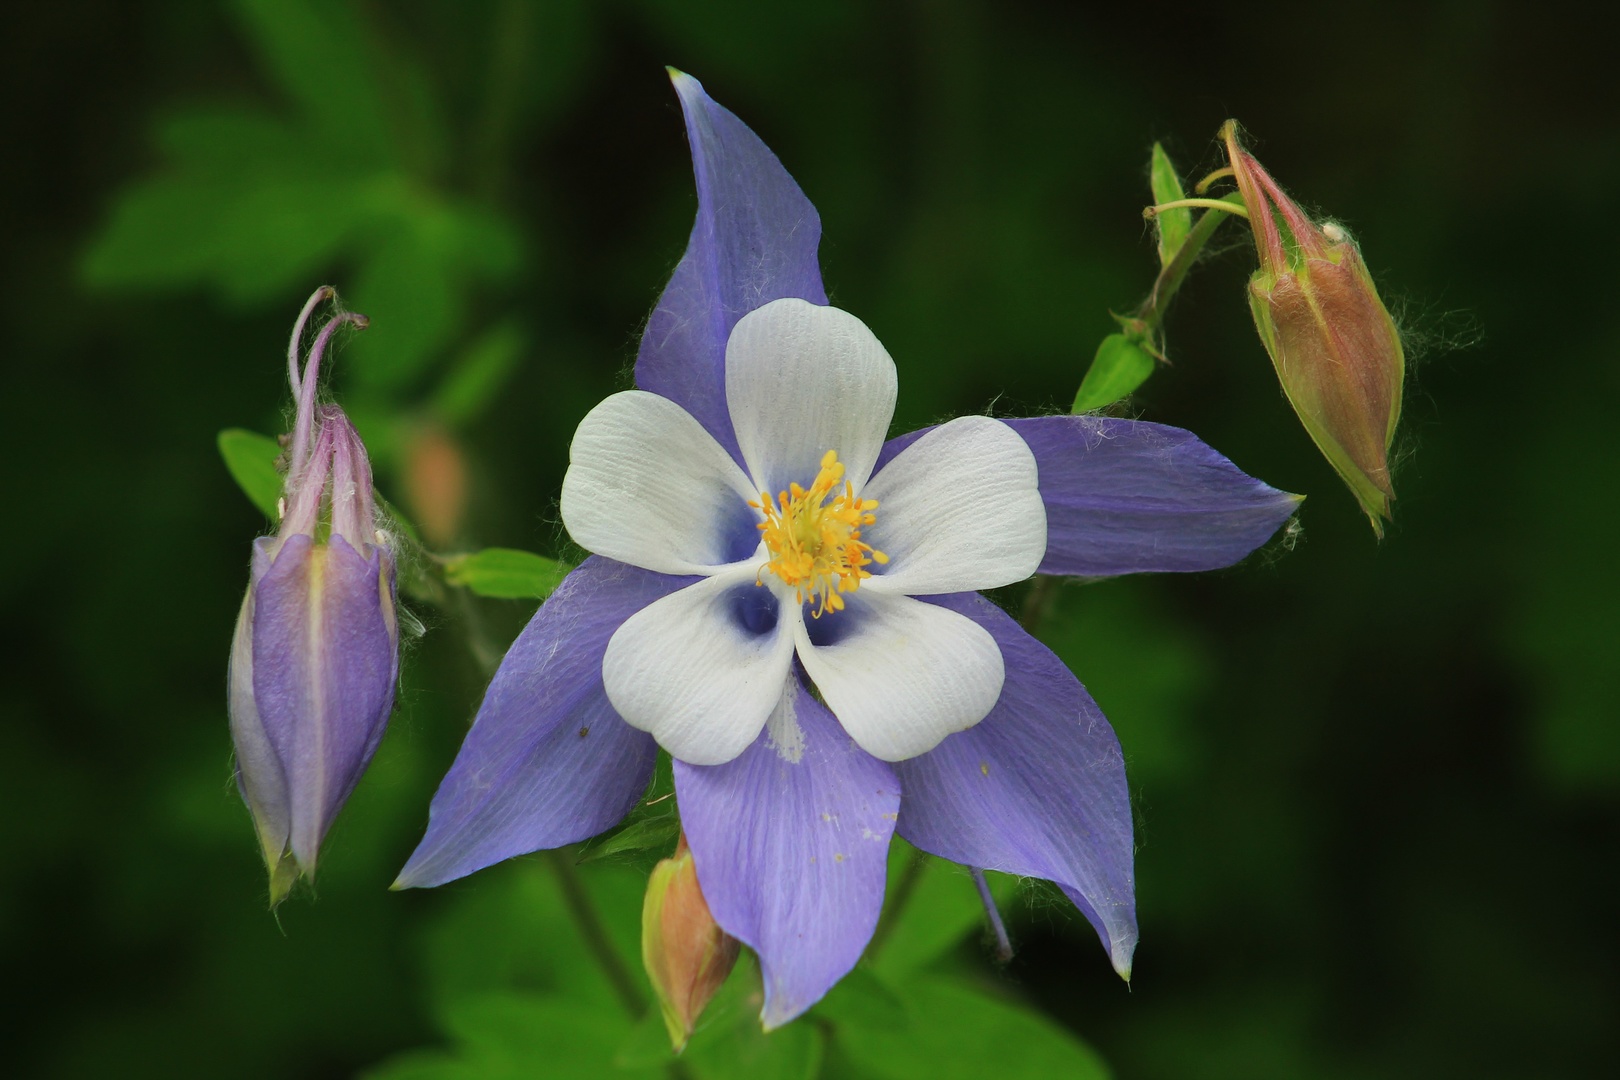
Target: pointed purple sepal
[[1037, 788], [754, 241], [324, 668], [1128, 497], [547, 762], [791, 854]]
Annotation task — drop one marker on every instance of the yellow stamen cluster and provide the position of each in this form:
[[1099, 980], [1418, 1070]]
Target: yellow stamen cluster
[[814, 537]]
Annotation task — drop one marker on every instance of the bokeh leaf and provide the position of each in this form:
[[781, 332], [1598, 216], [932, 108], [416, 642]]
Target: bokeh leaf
[[319, 56], [479, 374]]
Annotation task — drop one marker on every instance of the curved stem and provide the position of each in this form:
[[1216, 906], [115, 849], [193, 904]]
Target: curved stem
[[1206, 204], [594, 934], [1175, 271]]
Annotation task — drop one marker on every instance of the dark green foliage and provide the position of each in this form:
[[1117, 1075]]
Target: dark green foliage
[[1376, 785]]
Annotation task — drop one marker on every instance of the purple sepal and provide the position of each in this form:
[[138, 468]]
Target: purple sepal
[[754, 241], [1037, 788], [547, 762], [1130, 497], [791, 855], [324, 665]]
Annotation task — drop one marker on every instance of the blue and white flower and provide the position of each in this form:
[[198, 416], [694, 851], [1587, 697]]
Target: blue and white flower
[[787, 604]]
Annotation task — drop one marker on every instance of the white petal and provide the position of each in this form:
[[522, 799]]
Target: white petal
[[958, 510], [688, 670], [646, 485], [904, 674], [802, 379]]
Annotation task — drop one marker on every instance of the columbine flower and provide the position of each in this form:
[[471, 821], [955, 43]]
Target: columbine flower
[[738, 504], [1335, 348], [316, 654]]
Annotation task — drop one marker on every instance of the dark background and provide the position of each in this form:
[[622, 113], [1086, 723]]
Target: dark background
[[1376, 783]]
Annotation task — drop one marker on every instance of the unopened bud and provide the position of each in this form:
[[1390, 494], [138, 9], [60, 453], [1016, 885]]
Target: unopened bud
[[686, 953], [1335, 348], [316, 653]]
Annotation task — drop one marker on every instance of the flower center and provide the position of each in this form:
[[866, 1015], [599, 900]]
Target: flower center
[[814, 537]]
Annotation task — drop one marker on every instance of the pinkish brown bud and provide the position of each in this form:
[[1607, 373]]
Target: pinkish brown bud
[[1335, 348], [686, 953]]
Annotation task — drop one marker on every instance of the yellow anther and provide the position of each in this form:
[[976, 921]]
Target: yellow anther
[[814, 537]]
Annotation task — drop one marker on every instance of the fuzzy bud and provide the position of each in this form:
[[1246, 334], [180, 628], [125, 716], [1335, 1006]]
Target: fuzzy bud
[[686, 953], [316, 652], [1333, 343]]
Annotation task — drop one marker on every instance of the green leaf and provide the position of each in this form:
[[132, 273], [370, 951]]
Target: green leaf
[[1119, 367], [958, 1032], [506, 573], [1173, 224], [251, 459], [652, 833]]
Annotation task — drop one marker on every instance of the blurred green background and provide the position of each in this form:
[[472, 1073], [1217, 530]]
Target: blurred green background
[[1377, 785]]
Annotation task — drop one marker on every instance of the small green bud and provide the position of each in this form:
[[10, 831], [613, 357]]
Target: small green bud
[[1335, 348]]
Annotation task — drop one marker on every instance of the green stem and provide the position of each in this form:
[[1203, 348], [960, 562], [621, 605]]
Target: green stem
[[594, 934], [1175, 271], [1154, 211]]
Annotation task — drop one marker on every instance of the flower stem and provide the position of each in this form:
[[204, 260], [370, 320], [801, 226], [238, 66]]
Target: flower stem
[[594, 934], [1208, 204], [1175, 271]]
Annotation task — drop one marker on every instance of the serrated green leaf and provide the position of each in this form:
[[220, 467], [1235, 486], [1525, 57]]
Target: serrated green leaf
[[251, 459], [479, 374], [506, 573], [958, 1032], [1173, 224], [1119, 367]]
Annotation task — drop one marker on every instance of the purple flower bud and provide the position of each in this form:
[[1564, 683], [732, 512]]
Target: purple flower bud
[[315, 656], [1335, 348]]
